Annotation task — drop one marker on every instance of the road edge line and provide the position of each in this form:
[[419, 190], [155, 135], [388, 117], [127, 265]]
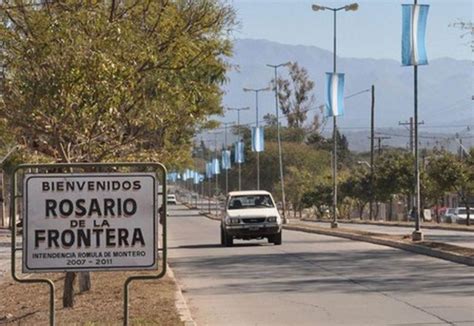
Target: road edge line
[[180, 302]]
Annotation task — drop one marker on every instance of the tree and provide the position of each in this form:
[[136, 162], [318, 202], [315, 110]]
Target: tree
[[103, 81], [317, 141], [446, 174], [295, 95], [357, 187], [320, 196], [298, 182], [393, 175], [138, 78]]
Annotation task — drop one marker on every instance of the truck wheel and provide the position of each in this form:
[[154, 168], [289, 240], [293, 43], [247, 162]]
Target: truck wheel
[[276, 238], [222, 236], [228, 240]]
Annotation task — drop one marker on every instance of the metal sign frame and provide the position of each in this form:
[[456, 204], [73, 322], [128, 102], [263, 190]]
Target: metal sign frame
[[16, 196]]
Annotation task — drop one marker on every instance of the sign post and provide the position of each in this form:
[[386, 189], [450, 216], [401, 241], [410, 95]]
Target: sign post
[[82, 221]]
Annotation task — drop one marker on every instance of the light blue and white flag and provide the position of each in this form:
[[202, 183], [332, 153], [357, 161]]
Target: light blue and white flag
[[258, 144], [226, 160], [414, 18], [209, 170], [196, 178], [215, 166], [172, 176], [334, 95], [239, 152]]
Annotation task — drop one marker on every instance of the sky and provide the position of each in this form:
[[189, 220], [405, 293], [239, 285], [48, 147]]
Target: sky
[[374, 31]]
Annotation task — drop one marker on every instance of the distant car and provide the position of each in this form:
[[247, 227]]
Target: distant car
[[460, 215], [171, 200], [249, 215], [448, 215]]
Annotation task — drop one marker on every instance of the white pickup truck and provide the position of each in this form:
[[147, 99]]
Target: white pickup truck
[[249, 215]]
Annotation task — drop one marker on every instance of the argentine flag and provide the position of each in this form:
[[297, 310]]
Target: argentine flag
[[215, 166], [334, 95], [414, 18], [209, 170], [257, 139], [239, 152], [226, 160], [196, 178]]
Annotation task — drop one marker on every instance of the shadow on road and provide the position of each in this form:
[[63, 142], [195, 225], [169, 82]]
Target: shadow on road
[[304, 272], [217, 245]]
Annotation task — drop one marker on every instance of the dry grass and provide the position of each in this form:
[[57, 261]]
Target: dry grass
[[151, 302]]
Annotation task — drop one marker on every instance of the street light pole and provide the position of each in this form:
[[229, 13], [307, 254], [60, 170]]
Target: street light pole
[[417, 234], [280, 159], [240, 139], [256, 91], [351, 7]]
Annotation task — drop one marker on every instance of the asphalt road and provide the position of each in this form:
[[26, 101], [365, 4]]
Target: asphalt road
[[312, 280]]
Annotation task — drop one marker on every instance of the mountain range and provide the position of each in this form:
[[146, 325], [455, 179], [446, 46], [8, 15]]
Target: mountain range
[[445, 87]]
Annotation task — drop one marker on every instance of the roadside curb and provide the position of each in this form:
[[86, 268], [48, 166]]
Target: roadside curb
[[390, 243], [180, 302], [398, 224], [469, 261]]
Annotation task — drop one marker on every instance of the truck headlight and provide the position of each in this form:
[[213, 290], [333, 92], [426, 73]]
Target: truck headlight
[[232, 220], [272, 219]]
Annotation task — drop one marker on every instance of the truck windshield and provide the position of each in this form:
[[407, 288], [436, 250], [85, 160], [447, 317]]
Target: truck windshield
[[250, 201]]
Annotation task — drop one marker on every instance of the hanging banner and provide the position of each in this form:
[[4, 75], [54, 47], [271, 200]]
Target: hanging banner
[[334, 95], [196, 178], [209, 170], [226, 165], [257, 139], [414, 18], [215, 166], [239, 152]]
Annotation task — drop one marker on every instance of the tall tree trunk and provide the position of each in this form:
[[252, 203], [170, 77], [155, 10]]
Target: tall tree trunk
[[437, 210], [68, 293], [468, 211]]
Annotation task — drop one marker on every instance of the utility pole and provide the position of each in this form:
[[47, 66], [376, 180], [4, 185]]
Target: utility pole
[[379, 142], [372, 135], [411, 128], [379, 145]]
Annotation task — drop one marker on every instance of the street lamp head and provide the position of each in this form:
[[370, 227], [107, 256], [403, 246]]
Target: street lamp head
[[352, 7], [246, 89], [317, 7]]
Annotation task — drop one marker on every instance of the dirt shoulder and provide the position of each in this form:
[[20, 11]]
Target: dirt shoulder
[[151, 302]]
